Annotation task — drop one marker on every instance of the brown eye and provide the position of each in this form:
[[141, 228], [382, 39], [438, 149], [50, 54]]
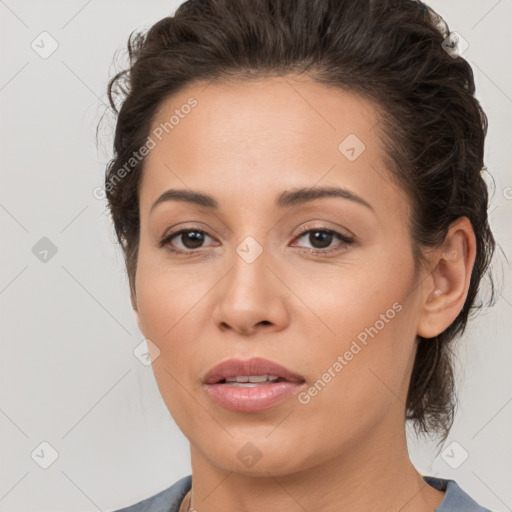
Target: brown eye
[[190, 240], [321, 239]]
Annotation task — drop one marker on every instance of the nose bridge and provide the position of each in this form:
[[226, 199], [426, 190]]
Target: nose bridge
[[250, 294], [249, 266], [250, 249], [255, 259]]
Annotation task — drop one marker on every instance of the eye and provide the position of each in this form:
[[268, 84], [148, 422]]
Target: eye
[[191, 239], [321, 239]]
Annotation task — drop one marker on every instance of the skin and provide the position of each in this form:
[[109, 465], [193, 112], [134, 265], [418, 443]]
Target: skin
[[244, 144]]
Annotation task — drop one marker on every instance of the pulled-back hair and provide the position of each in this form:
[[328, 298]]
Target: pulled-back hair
[[388, 51]]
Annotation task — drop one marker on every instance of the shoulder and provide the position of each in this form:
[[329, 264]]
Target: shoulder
[[168, 500], [455, 499]]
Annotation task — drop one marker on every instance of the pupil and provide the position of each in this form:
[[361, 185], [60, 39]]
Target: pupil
[[324, 239], [192, 239]]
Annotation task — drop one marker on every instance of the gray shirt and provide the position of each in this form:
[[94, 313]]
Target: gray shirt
[[169, 500]]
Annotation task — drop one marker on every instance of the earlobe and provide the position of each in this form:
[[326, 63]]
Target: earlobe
[[449, 280]]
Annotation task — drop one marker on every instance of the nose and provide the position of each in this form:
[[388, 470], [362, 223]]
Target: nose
[[250, 298]]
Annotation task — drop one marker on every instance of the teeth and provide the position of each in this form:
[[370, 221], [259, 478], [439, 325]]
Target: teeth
[[252, 378]]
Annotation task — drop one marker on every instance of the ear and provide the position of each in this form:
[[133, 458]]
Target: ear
[[446, 287], [133, 298]]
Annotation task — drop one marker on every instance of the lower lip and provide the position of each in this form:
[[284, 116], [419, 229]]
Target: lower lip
[[249, 399]]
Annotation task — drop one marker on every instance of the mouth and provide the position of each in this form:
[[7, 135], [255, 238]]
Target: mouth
[[251, 381], [251, 386], [250, 373]]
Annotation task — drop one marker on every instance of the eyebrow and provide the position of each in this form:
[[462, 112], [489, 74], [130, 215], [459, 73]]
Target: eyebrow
[[288, 198]]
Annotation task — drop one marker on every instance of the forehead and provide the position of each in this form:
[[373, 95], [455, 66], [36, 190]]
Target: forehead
[[278, 113], [273, 133]]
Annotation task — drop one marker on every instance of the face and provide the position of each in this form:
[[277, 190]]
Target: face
[[324, 287]]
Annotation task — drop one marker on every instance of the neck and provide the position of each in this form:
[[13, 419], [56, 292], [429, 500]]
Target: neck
[[374, 473]]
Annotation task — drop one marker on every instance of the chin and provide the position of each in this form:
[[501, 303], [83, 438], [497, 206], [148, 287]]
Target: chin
[[252, 459]]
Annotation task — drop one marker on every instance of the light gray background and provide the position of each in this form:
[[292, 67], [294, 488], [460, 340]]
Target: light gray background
[[68, 373]]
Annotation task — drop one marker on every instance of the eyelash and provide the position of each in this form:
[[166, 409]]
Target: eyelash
[[345, 240]]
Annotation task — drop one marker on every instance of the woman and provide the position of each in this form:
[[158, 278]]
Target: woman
[[297, 189]]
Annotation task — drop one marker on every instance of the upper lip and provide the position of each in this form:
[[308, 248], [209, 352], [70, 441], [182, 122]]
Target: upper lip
[[254, 366]]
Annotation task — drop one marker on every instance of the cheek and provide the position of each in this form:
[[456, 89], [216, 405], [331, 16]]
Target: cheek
[[171, 309], [364, 337], [368, 354], [358, 377], [168, 297]]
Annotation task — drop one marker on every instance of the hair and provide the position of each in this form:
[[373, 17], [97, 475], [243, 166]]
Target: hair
[[388, 51]]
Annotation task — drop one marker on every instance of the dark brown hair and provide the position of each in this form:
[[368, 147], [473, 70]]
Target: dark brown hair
[[391, 52]]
